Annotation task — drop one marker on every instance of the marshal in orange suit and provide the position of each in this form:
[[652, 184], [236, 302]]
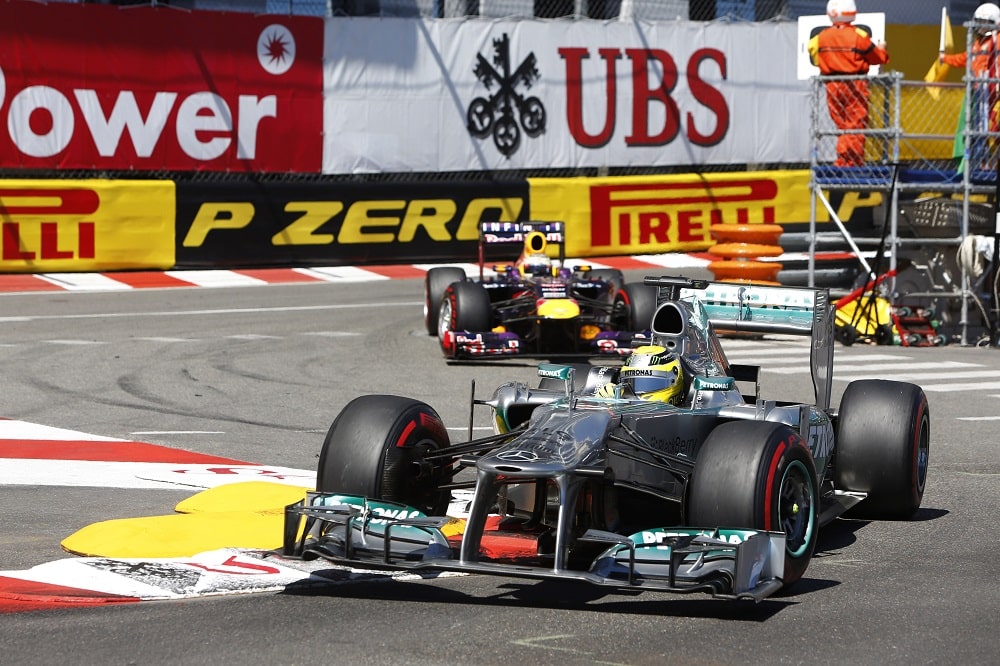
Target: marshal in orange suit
[[844, 49]]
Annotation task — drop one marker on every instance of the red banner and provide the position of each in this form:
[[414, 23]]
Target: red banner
[[156, 88]]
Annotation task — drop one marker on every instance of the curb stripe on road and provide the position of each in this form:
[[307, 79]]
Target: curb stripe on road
[[127, 280], [34, 454], [123, 451], [18, 595]]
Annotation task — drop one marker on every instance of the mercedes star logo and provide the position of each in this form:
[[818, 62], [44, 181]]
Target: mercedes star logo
[[518, 455]]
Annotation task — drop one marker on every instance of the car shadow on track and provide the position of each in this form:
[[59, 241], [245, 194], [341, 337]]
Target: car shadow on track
[[568, 595], [842, 532], [835, 541], [556, 595]]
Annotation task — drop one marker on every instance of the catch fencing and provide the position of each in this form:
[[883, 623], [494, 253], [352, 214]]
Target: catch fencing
[[906, 13]]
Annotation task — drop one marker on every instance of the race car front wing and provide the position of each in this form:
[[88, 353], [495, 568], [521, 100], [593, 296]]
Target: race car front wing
[[469, 345], [355, 531]]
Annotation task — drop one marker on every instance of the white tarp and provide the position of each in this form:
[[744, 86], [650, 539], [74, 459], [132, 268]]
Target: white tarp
[[399, 93]]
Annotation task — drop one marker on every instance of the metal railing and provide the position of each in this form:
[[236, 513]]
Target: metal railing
[[911, 12]]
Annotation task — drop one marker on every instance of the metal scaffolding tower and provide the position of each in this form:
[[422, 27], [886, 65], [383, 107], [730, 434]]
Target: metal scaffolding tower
[[931, 150]]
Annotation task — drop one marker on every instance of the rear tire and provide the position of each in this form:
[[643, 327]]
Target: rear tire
[[376, 448], [883, 447], [758, 475], [636, 304], [435, 282]]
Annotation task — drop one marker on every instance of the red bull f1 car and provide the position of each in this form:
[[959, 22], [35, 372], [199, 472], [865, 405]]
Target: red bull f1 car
[[721, 491], [533, 306]]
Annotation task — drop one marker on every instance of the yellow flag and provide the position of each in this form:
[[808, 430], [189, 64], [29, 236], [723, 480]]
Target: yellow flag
[[939, 70]]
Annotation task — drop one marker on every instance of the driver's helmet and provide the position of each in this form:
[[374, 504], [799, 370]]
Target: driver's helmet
[[653, 373], [538, 265]]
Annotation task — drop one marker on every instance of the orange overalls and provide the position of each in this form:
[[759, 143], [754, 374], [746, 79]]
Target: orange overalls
[[845, 50], [985, 98], [984, 57]]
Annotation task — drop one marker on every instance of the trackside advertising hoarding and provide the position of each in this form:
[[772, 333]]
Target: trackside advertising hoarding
[[454, 95], [87, 86], [259, 224], [98, 87], [666, 213], [52, 226], [319, 224]]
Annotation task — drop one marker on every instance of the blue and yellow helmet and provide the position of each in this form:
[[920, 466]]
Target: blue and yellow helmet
[[538, 265]]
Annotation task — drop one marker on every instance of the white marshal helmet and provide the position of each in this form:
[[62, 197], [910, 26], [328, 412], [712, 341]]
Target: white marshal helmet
[[987, 13], [842, 11]]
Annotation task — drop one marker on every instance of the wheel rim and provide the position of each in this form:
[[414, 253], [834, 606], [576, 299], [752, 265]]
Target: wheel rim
[[422, 478], [923, 454], [444, 318], [796, 514]]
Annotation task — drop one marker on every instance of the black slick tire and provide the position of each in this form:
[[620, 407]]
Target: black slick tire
[[635, 304], [883, 447], [435, 282], [376, 448], [758, 475], [465, 307]]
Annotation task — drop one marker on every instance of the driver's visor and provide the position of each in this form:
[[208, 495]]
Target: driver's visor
[[646, 384]]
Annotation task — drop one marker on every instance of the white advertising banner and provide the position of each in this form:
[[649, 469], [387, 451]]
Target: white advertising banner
[[405, 95]]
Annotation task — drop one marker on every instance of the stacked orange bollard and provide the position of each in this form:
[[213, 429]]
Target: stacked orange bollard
[[739, 247]]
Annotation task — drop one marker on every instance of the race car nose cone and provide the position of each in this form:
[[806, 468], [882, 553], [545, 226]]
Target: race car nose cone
[[558, 308], [520, 460], [561, 440]]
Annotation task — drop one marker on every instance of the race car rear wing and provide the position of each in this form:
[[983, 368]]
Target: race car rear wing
[[515, 232], [534, 236], [758, 308]]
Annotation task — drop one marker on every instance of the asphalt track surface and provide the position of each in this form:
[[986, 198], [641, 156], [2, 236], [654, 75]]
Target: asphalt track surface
[[258, 373]]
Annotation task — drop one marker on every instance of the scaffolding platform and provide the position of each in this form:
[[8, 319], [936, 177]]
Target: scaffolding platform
[[939, 179]]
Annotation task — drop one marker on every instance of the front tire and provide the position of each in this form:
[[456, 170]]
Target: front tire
[[883, 447], [376, 448], [435, 283], [465, 307], [758, 475]]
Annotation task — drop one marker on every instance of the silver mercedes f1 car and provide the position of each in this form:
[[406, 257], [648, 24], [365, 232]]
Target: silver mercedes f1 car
[[720, 491]]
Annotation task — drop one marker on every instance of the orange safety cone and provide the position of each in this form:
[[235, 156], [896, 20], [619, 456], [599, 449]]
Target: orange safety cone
[[739, 247]]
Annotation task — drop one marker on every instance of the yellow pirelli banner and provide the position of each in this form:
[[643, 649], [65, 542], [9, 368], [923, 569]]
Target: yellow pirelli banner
[[652, 214], [50, 226]]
